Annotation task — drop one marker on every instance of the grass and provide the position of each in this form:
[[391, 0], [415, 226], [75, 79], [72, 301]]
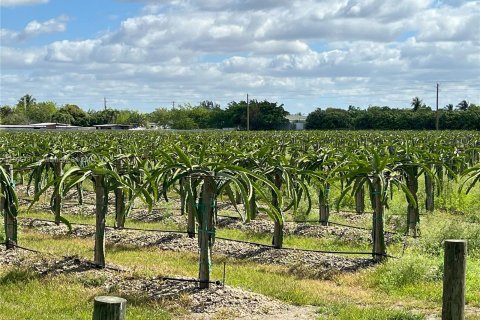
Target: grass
[[411, 287]]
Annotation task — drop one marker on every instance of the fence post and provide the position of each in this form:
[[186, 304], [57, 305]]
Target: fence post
[[109, 308], [57, 199], [455, 261], [9, 220], [119, 200], [101, 206], [205, 230]]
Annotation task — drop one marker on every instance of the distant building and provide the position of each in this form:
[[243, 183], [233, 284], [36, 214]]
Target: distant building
[[113, 126], [39, 126], [297, 122]]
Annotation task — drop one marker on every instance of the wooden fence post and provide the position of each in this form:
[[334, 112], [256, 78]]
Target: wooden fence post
[[9, 220], [57, 199], [101, 206], [455, 261], [119, 200], [278, 225], [360, 199], [191, 211], [378, 235], [109, 308], [205, 230]]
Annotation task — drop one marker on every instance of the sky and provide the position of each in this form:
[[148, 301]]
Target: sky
[[304, 54]]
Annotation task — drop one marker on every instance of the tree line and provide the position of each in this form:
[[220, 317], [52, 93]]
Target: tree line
[[263, 115], [463, 116]]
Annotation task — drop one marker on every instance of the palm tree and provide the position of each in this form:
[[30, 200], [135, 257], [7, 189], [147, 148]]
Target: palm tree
[[462, 105], [449, 107], [26, 102], [416, 103]]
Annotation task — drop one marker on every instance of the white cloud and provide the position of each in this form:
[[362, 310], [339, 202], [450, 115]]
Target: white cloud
[[194, 50], [34, 29], [13, 3]]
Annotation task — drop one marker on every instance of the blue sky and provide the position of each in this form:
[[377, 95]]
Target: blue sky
[[144, 54]]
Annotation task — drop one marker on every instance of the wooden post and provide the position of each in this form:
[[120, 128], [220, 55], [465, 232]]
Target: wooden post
[[10, 221], [109, 308], [101, 204], [182, 196], [80, 193], [57, 199], [278, 227], [119, 200], [454, 266], [190, 207], [429, 194], [413, 213], [324, 209], [205, 230], [360, 200], [379, 249], [253, 205]]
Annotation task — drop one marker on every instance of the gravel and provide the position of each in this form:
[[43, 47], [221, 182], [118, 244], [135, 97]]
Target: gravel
[[173, 294], [304, 263]]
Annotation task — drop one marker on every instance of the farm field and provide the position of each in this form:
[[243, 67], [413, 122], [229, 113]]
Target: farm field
[[278, 225]]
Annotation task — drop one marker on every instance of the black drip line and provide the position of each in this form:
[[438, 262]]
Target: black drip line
[[232, 240]]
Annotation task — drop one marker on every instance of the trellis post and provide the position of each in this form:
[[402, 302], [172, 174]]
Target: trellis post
[[206, 231], [101, 206], [9, 220]]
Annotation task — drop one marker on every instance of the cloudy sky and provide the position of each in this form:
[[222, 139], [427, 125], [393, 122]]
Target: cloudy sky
[[143, 54]]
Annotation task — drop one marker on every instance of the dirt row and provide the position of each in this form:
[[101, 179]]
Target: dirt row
[[304, 263]]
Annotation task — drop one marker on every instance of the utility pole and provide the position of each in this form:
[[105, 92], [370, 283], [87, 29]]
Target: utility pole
[[25, 107], [248, 114], [173, 104], [436, 114], [104, 103]]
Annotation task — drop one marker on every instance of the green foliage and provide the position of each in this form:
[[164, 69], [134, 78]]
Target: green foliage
[[386, 118], [16, 276], [329, 119], [411, 269], [440, 229], [264, 115], [345, 311]]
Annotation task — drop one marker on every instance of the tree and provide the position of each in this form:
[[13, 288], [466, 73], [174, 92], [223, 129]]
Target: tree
[[161, 116], [462, 105], [331, 118], [42, 111], [61, 116], [264, 115], [449, 107], [417, 103], [5, 112], [25, 103]]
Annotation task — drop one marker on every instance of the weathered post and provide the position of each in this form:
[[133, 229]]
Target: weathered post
[[190, 207], [205, 231], [182, 196], [455, 261], [101, 206], [278, 227], [57, 198], [379, 249], [324, 208], [119, 200], [413, 214], [429, 194], [253, 205], [360, 200], [109, 308], [9, 220]]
